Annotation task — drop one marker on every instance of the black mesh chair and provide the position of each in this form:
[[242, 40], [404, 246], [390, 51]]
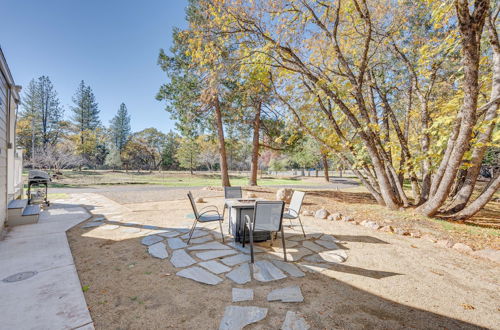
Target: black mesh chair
[[267, 217], [204, 216]]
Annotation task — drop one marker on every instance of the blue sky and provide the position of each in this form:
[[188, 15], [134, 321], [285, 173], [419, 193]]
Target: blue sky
[[113, 45]]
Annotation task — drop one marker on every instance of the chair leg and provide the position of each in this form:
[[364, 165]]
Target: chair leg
[[192, 230], [244, 233], [251, 245], [300, 221], [283, 242], [221, 232]]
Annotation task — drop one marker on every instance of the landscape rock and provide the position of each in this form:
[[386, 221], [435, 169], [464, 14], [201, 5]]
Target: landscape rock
[[288, 294], [348, 219], [242, 294], [370, 224], [293, 321], [330, 217], [284, 194], [491, 254], [158, 250], [199, 274], [307, 213], [446, 243], [240, 275], [200, 200], [415, 234], [237, 317], [387, 229], [402, 232], [321, 214], [336, 216], [463, 247]]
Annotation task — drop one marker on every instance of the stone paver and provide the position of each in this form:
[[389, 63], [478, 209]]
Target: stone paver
[[289, 268], [214, 266], [109, 227], [169, 234], [176, 243], [242, 294], [215, 254], [180, 259], [240, 275], [131, 230], [237, 317], [334, 256], [158, 250], [235, 260], [265, 271], [328, 244], [98, 219], [196, 234], [92, 224], [293, 321], [201, 240], [209, 246], [288, 294], [312, 246], [150, 227], [327, 237], [150, 240], [246, 249], [199, 274]]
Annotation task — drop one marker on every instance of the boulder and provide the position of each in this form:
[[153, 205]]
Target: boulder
[[463, 248], [200, 200], [330, 217], [307, 213], [415, 234], [491, 254], [284, 194], [321, 214], [348, 219]]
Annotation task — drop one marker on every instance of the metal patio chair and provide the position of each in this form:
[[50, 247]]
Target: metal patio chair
[[293, 211], [231, 193], [268, 216], [204, 216]]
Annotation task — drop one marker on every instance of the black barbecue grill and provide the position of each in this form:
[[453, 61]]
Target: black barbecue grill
[[38, 185]]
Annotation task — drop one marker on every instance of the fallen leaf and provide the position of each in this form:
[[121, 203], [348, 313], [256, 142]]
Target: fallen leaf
[[468, 307]]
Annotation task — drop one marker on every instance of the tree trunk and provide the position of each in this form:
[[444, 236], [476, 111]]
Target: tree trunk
[[222, 144], [470, 36], [325, 167], [480, 202], [466, 189], [255, 147]]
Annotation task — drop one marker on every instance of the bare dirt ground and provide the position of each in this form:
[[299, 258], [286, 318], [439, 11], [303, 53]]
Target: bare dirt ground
[[389, 281]]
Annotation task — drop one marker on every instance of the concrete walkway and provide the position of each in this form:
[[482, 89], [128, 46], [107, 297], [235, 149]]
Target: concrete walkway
[[53, 297]]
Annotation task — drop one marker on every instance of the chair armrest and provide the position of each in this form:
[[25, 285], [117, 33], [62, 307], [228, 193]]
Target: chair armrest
[[248, 221], [209, 211], [293, 212], [210, 206]]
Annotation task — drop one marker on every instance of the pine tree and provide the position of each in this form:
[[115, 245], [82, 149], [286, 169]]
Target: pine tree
[[85, 111], [120, 128]]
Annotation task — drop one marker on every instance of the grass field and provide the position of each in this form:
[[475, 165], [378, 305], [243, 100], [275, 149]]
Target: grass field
[[172, 179]]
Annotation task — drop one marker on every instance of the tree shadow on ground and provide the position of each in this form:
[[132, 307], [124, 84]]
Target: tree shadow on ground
[[344, 197]]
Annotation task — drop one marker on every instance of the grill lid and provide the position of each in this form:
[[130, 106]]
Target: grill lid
[[38, 175]]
